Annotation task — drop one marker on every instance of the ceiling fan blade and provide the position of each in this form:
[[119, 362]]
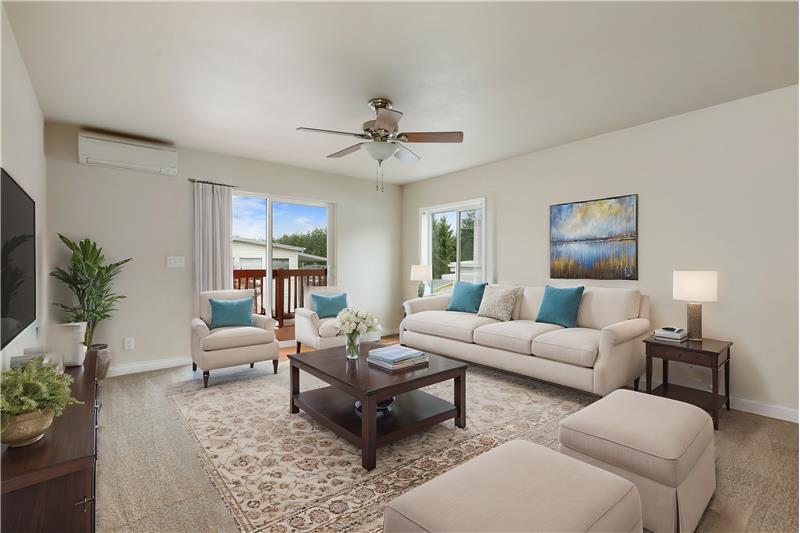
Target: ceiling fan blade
[[387, 119], [431, 137], [333, 132], [348, 150], [405, 155]]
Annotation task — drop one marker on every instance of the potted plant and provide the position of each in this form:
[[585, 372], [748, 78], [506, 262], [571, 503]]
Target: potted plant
[[90, 279], [30, 398]]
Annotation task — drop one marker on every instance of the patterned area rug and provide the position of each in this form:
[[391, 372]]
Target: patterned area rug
[[281, 472]]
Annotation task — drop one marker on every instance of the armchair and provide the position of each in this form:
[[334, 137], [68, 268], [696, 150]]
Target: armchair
[[231, 346], [313, 331]]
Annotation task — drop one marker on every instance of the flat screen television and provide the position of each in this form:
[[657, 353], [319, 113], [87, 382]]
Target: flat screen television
[[17, 259]]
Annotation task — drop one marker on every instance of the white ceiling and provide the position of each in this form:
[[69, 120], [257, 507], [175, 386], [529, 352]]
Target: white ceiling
[[238, 78]]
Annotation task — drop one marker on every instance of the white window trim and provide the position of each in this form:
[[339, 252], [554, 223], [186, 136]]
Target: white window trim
[[425, 244]]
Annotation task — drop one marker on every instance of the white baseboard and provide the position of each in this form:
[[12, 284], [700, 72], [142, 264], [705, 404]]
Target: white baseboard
[[286, 344], [146, 366], [742, 404]]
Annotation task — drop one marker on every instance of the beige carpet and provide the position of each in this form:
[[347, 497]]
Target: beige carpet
[[281, 472]]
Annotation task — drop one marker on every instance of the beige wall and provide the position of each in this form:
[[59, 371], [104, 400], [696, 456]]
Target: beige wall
[[148, 217], [22, 156], [718, 190]]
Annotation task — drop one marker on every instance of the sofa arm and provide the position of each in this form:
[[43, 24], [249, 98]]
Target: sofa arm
[[625, 331], [264, 322], [427, 303], [306, 325], [620, 359], [199, 328]]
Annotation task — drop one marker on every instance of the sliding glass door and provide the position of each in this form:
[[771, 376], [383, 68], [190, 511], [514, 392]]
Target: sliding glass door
[[280, 247]]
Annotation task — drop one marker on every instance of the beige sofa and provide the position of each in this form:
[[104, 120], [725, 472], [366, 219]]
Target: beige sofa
[[603, 353]]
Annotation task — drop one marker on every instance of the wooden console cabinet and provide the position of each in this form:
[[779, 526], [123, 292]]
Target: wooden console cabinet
[[50, 485]]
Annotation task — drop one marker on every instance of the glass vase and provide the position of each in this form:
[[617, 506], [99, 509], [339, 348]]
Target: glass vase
[[352, 346]]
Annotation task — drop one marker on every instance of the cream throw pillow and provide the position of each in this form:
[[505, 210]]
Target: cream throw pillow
[[498, 303]]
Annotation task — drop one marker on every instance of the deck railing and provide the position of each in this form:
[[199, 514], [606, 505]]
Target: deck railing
[[288, 288]]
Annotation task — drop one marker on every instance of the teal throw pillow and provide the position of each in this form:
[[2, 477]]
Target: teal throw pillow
[[466, 297], [328, 305], [226, 313], [560, 306]]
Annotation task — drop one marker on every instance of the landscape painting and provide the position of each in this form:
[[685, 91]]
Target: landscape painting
[[595, 239]]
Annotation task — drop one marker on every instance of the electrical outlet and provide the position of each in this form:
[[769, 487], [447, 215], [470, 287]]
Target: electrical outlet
[[128, 343]]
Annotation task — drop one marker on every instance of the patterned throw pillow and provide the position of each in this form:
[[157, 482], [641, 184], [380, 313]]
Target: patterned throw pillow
[[498, 302]]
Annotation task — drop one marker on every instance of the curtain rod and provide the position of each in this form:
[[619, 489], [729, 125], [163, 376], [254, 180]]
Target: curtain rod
[[209, 182]]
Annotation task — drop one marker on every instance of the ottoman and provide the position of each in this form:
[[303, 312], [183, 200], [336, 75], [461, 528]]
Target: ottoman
[[665, 447], [518, 486]]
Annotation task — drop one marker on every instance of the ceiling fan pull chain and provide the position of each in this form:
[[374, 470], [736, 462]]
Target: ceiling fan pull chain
[[382, 180], [377, 176]]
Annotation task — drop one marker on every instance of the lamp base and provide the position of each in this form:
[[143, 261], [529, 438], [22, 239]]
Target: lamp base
[[421, 289], [694, 321]]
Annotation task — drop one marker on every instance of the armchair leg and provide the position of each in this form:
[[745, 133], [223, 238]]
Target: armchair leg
[[205, 379], [636, 384], [194, 367], [252, 365], [275, 366], [298, 347]]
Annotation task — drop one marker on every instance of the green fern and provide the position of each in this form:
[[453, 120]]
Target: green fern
[[36, 387]]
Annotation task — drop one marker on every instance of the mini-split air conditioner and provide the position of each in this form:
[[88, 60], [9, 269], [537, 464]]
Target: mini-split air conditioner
[[100, 150]]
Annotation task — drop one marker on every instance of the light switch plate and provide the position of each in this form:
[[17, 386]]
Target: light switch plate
[[176, 261], [128, 343]]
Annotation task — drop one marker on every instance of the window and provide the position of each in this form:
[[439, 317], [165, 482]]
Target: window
[[453, 242]]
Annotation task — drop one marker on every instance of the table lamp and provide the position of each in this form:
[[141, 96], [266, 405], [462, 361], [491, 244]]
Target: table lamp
[[421, 273], [694, 286]]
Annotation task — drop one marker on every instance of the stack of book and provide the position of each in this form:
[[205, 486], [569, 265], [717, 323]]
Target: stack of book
[[670, 334], [395, 358]]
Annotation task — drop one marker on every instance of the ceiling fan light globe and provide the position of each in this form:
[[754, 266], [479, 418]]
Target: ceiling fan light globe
[[380, 151]]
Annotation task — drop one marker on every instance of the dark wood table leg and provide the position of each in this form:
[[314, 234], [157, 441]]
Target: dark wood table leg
[[728, 382], [294, 387], [460, 399], [714, 395], [665, 374], [649, 373], [368, 431]]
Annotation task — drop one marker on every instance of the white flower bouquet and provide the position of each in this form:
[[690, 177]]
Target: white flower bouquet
[[352, 323]]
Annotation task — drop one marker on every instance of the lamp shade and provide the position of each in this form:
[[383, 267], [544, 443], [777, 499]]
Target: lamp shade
[[421, 272], [694, 285]]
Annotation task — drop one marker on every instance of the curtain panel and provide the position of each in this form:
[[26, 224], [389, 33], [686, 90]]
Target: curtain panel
[[213, 262]]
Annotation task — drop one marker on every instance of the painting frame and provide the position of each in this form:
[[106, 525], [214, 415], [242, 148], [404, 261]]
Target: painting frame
[[631, 270]]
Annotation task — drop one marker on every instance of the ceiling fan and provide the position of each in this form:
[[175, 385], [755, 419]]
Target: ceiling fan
[[381, 139]]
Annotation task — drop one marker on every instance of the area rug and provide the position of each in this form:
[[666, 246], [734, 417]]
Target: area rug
[[281, 472]]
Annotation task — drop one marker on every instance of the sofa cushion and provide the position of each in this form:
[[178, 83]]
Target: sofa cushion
[[576, 346], [659, 438], [560, 306], [328, 305], [235, 337], [530, 302], [466, 297], [513, 336], [499, 303], [226, 313], [449, 324], [601, 307], [519, 486]]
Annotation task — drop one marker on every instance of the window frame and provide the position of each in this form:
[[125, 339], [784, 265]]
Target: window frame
[[426, 241]]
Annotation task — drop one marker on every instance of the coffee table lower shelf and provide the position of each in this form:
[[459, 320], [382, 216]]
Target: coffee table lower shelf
[[410, 413]]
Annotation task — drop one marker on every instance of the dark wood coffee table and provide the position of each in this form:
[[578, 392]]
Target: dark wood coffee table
[[412, 410]]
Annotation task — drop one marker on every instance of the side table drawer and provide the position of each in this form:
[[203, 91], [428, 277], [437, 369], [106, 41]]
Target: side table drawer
[[676, 354]]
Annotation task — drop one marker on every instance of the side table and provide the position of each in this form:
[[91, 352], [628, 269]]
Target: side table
[[709, 353]]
